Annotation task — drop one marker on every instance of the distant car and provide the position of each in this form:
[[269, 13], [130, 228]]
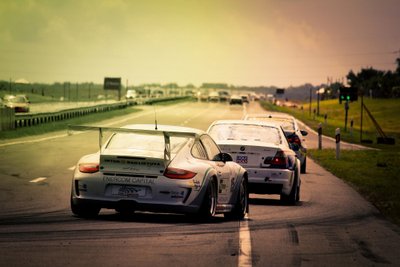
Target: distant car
[[20, 103], [235, 100], [262, 149], [292, 131], [245, 98], [213, 97], [130, 94], [157, 94], [223, 96], [172, 169]]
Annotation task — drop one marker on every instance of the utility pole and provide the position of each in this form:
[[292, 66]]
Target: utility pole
[[318, 91], [361, 124], [346, 107], [90, 87], [310, 100], [77, 92]]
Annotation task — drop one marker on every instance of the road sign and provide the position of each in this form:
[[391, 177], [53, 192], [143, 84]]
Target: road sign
[[112, 83]]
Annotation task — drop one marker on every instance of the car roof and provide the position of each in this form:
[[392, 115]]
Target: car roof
[[247, 122], [270, 115], [164, 128]]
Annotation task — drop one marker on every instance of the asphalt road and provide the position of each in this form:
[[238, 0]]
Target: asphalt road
[[331, 226]]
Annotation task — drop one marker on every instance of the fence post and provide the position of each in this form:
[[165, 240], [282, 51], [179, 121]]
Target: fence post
[[337, 137], [320, 136]]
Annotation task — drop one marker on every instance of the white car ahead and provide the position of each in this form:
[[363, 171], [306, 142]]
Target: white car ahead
[[171, 169], [262, 149], [294, 135]]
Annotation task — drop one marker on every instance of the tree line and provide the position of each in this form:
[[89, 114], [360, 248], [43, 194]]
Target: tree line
[[376, 83]]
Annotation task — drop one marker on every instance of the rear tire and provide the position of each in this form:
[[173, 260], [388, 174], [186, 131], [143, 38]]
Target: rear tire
[[303, 166], [242, 203], [294, 195], [209, 205], [84, 211]]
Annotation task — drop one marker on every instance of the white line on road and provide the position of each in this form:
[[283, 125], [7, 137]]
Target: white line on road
[[34, 140], [71, 168], [244, 243], [38, 180]]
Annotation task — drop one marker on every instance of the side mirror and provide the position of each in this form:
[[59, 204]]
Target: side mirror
[[224, 157], [295, 147], [304, 133]]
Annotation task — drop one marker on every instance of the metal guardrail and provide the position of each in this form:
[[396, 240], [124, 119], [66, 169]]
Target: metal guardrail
[[11, 120], [26, 120]]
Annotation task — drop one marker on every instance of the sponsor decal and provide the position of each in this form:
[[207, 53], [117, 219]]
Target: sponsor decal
[[128, 180], [175, 194], [196, 185], [223, 186], [232, 183], [133, 162]]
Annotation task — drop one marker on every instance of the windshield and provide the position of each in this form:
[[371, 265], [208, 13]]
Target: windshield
[[16, 99], [245, 132], [287, 124]]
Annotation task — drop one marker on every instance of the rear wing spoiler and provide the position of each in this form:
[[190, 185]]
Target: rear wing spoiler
[[166, 134]]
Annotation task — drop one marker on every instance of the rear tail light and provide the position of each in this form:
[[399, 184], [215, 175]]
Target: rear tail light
[[89, 167], [279, 161], [175, 173]]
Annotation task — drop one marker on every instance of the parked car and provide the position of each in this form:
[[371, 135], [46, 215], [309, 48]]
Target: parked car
[[292, 131], [169, 169], [262, 149], [20, 103]]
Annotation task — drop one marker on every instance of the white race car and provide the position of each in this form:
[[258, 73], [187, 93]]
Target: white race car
[[261, 148], [169, 169], [294, 135]]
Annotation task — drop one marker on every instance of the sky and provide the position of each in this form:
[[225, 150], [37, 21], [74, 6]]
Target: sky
[[239, 42]]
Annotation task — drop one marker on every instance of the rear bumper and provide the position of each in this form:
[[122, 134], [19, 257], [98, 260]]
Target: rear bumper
[[135, 205], [270, 181]]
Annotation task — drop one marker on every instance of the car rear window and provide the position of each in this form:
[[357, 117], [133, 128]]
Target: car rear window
[[286, 124], [145, 142], [244, 132]]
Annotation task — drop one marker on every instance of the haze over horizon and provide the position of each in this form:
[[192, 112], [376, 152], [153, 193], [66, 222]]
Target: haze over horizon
[[251, 43]]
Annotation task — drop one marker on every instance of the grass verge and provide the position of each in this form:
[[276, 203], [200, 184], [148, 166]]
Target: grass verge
[[385, 111], [374, 174]]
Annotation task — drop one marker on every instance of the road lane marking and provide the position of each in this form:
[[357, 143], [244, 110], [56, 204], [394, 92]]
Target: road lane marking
[[33, 141], [244, 243], [71, 168], [38, 180]]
